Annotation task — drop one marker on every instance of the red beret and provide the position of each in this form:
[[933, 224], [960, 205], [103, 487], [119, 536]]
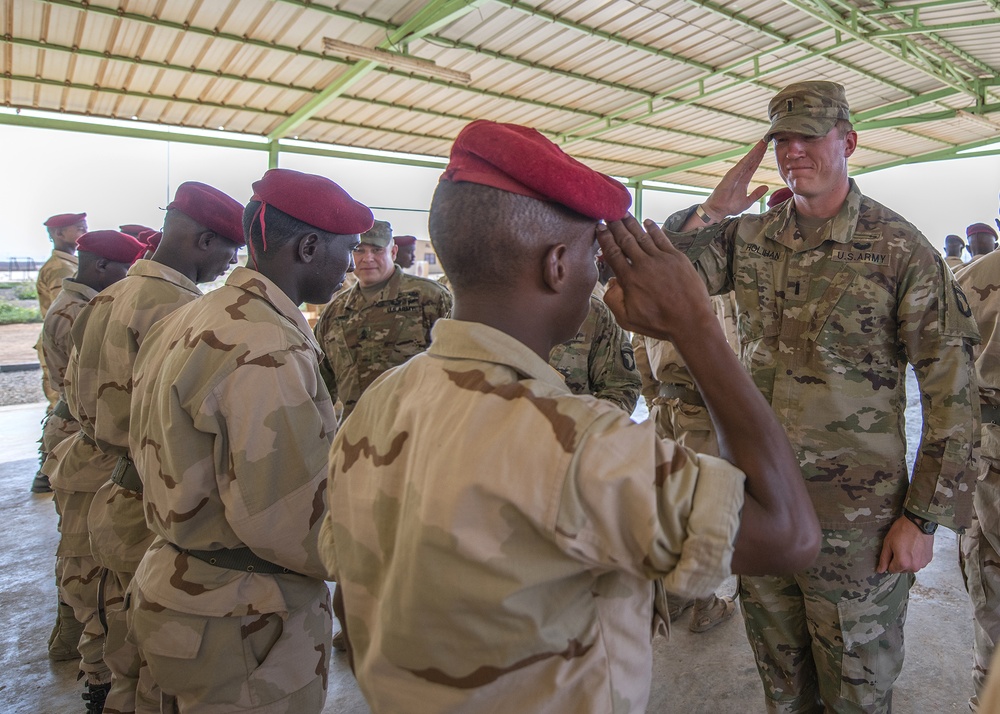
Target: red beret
[[520, 160], [150, 238], [405, 240], [211, 208], [980, 228], [134, 229], [780, 196], [312, 199], [119, 247], [61, 220]]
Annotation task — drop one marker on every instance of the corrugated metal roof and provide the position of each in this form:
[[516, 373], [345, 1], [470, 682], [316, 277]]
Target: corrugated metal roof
[[666, 90]]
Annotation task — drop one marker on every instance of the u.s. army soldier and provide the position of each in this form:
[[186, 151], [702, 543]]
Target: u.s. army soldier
[[544, 516], [202, 232], [835, 294], [231, 430], [380, 322]]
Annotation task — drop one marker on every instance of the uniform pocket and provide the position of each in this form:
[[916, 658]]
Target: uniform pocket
[[872, 630]]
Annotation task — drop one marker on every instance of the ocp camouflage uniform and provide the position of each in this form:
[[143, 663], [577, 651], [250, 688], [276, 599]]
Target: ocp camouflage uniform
[[673, 400], [599, 360], [361, 339], [58, 267], [543, 544], [826, 325], [77, 573], [231, 430], [108, 334], [981, 545]]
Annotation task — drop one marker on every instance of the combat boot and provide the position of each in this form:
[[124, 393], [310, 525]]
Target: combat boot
[[65, 635], [95, 696]]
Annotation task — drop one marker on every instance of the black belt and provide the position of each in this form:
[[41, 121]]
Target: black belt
[[682, 392], [238, 559], [61, 410], [990, 413], [126, 476]]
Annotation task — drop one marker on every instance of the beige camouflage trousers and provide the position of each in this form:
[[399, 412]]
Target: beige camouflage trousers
[[687, 424], [216, 665], [980, 552], [78, 579], [133, 690], [829, 638]]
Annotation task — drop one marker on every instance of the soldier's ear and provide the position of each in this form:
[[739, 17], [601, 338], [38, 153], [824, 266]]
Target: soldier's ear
[[307, 246], [554, 267], [205, 239]]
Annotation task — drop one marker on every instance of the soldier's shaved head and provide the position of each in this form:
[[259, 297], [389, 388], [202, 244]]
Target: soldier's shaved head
[[280, 228], [487, 238]]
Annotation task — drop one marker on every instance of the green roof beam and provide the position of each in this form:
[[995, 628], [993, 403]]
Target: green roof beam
[[920, 29], [953, 152], [900, 51], [431, 16], [228, 143]]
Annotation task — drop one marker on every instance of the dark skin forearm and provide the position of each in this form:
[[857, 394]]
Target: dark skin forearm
[[658, 293]]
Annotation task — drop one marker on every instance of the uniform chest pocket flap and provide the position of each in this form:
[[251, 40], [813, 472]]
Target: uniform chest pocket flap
[[853, 321]]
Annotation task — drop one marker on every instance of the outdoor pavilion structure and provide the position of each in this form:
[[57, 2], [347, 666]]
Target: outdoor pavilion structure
[[665, 94]]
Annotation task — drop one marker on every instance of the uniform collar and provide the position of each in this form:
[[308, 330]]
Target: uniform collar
[[781, 228], [84, 291], [459, 339], [66, 257], [154, 269], [259, 285]]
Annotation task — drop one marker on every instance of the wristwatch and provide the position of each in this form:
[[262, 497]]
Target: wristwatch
[[927, 527]]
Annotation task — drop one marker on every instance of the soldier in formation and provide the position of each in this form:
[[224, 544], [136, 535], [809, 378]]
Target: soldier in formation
[[231, 429], [982, 239], [104, 257], [953, 247], [63, 230], [202, 232], [406, 251], [836, 293], [544, 545]]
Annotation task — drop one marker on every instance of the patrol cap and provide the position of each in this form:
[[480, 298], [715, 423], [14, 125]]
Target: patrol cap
[[520, 160], [211, 208], [134, 229], [379, 234], [980, 228], [150, 238], [61, 220], [780, 196], [404, 240], [807, 108], [113, 245], [312, 199]]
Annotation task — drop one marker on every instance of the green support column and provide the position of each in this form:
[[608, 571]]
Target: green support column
[[272, 154], [638, 202]]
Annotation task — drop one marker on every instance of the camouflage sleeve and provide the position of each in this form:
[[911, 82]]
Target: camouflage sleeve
[[650, 385], [710, 249], [277, 445], [680, 524], [938, 333], [611, 363], [325, 368]]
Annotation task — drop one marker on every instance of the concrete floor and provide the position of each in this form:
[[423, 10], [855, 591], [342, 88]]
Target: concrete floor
[[711, 673]]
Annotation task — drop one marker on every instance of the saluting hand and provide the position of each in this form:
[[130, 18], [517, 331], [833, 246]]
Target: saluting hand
[[656, 291]]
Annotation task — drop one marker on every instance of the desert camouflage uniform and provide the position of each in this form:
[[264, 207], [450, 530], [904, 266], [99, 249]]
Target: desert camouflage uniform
[[77, 573], [542, 543], [675, 405], [981, 545], [58, 267], [231, 432], [599, 360], [107, 335], [363, 339], [826, 326]]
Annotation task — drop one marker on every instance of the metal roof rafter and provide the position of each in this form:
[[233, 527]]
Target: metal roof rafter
[[901, 50], [274, 85], [431, 16]]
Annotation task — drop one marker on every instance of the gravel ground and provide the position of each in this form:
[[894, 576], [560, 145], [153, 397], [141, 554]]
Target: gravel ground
[[21, 387]]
